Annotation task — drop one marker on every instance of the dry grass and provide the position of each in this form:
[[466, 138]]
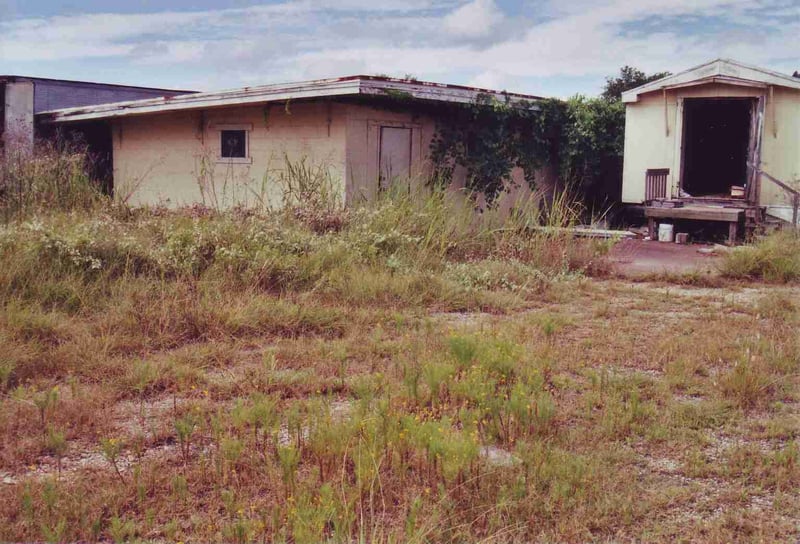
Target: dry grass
[[653, 419], [774, 258], [405, 376]]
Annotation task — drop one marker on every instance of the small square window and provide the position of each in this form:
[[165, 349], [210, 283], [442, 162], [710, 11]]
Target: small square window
[[233, 144]]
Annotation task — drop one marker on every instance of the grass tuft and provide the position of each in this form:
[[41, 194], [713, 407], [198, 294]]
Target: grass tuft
[[774, 258]]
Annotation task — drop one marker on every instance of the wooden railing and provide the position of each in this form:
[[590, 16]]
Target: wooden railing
[[793, 193]]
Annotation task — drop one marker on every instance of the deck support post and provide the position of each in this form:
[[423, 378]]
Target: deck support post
[[732, 216], [733, 228]]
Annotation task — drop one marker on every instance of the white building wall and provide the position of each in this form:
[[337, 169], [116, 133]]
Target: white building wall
[[648, 143], [363, 130]]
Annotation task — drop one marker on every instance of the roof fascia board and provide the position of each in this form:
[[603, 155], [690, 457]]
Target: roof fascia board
[[703, 71], [721, 68], [13, 77], [718, 79], [769, 76]]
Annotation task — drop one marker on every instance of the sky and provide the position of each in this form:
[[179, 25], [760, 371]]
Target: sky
[[541, 47]]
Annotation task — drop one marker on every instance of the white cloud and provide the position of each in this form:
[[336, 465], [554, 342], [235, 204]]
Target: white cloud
[[475, 19], [490, 79], [473, 43]]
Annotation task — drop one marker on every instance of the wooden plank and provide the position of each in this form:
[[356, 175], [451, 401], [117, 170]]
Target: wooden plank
[[733, 228], [759, 140], [772, 110], [697, 213], [587, 232], [779, 183]]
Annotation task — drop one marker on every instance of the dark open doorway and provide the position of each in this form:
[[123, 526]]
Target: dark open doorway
[[716, 134]]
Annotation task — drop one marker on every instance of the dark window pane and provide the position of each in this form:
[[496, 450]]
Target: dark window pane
[[234, 144]]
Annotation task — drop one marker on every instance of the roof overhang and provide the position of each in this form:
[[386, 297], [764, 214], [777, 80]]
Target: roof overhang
[[324, 88], [725, 71]]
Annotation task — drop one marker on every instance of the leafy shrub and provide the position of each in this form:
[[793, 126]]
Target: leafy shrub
[[590, 150]]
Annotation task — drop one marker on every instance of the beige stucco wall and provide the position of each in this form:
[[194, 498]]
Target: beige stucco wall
[[363, 141], [648, 144], [170, 159], [363, 129]]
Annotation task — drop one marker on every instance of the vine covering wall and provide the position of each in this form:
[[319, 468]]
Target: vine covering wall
[[582, 137]]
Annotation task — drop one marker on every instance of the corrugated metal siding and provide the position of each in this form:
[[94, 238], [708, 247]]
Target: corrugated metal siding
[[51, 95]]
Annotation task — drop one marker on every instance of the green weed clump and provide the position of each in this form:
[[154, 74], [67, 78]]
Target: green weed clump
[[774, 258], [403, 249]]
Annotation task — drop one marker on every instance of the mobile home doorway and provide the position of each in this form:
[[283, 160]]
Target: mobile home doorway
[[717, 145]]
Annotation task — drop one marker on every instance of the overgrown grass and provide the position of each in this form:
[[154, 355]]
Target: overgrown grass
[[54, 177], [78, 267], [405, 370], [774, 258]]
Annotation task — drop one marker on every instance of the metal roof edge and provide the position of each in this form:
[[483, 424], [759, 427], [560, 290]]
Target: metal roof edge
[[344, 86], [438, 92], [235, 97]]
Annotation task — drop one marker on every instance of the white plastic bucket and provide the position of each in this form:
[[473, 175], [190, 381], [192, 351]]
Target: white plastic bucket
[[666, 232]]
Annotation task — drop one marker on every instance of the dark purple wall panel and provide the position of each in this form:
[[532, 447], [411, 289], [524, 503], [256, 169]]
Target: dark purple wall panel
[[53, 95]]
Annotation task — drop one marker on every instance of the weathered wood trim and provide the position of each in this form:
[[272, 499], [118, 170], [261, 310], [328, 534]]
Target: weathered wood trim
[[772, 111], [696, 213], [677, 162]]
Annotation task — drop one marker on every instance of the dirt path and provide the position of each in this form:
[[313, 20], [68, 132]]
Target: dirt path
[[636, 258]]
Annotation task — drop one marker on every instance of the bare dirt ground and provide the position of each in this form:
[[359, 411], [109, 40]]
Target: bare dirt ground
[[637, 258]]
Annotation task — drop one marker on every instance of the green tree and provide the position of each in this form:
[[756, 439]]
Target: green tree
[[628, 78], [590, 150], [583, 136]]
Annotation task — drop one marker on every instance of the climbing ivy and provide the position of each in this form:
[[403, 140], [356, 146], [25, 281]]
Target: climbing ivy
[[490, 137], [581, 137]]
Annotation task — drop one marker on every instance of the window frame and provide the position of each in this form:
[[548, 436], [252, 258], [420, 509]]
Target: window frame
[[247, 128]]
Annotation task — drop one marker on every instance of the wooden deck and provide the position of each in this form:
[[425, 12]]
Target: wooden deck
[[733, 216]]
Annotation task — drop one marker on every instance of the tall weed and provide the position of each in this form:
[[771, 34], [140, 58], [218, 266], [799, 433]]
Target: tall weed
[[56, 176]]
